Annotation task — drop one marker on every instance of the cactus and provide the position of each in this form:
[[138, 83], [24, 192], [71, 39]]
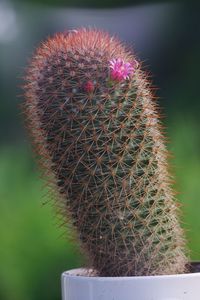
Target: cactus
[[96, 128]]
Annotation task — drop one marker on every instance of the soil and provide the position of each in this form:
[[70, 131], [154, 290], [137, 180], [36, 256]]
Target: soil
[[194, 267]]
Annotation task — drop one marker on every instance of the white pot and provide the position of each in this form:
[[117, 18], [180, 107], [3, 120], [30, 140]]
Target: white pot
[[77, 286]]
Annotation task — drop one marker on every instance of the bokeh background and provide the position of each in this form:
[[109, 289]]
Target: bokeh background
[[34, 250]]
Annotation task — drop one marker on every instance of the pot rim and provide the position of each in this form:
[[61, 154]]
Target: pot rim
[[80, 274]]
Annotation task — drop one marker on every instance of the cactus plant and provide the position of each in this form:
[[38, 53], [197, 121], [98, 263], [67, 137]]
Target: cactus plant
[[94, 121]]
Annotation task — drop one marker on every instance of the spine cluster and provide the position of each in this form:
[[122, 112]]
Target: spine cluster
[[96, 129]]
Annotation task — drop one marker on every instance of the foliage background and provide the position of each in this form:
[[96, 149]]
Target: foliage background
[[166, 36]]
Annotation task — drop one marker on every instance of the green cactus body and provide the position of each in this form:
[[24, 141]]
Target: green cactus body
[[100, 139]]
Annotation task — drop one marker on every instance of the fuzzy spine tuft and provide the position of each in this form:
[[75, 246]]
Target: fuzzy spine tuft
[[101, 141]]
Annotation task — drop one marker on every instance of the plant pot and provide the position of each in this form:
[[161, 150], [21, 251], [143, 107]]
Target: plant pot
[[78, 286]]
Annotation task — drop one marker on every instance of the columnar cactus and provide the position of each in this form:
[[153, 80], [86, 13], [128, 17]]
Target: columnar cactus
[[96, 129]]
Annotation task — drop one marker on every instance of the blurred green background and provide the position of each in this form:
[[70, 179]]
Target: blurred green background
[[34, 250]]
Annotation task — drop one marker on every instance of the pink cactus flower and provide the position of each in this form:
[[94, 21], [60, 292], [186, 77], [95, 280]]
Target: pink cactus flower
[[121, 70], [89, 86]]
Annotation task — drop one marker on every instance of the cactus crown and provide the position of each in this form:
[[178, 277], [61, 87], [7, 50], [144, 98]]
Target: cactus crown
[[96, 128]]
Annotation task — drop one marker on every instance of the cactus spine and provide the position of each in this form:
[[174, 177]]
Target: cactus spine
[[99, 137]]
